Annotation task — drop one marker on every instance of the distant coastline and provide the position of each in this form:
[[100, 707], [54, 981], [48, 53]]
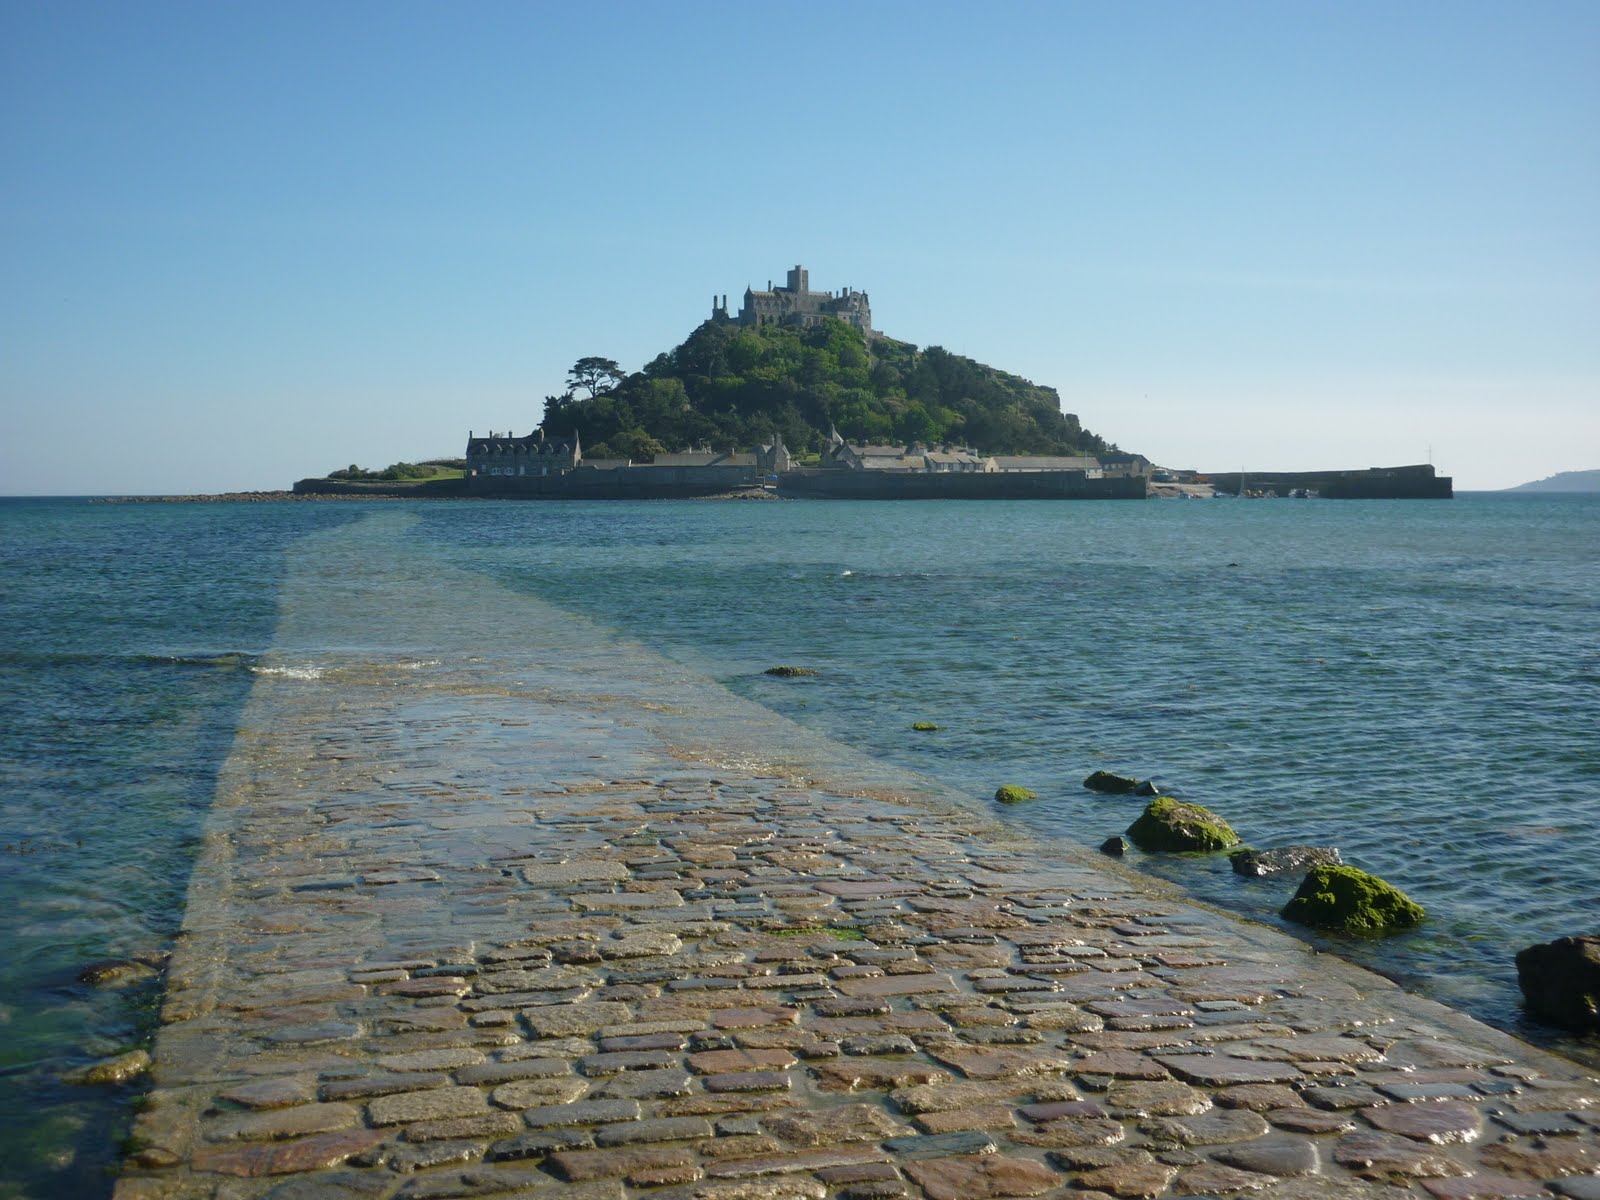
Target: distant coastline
[[1563, 481]]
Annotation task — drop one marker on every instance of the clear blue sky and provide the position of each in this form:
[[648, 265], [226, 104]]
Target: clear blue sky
[[243, 243]]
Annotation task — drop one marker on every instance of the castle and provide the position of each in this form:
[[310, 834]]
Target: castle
[[796, 304]]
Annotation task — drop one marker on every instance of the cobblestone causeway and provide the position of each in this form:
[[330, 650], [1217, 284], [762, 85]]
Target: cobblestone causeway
[[453, 939]]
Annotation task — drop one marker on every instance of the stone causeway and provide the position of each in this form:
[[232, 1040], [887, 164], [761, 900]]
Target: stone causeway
[[462, 939]]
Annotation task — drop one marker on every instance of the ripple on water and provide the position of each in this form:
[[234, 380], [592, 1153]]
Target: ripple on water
[[1407, 682]]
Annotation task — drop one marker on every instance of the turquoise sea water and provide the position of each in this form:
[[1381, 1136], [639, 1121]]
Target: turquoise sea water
[[1414, 683]]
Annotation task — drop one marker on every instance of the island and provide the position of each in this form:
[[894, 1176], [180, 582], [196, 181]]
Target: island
[[799, 395]]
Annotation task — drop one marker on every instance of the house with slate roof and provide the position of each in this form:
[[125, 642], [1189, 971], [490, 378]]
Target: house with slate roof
[[505, 454]]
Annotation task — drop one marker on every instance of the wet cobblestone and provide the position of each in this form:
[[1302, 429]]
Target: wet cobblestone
[[447, 942]]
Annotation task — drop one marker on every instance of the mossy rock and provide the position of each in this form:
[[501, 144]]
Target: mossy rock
[[1109, 783], [924, 726], [790, 672], [1350, 899], [1012, 794], [1168, 824]]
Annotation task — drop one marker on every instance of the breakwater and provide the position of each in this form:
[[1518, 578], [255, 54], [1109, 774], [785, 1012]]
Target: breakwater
[[919, 485], [1419, 482]]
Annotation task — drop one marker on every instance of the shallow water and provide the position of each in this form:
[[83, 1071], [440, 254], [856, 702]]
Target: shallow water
[[129, 635], [1411, 682]]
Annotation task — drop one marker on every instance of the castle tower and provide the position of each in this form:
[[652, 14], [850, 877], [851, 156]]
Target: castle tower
[[799, 279]]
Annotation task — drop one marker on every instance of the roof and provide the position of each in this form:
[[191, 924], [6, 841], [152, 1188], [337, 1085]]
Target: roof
[[518, 445], [691, 458], [1045, 462]]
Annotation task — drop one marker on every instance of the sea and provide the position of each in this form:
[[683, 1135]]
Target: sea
[[1414, 683]]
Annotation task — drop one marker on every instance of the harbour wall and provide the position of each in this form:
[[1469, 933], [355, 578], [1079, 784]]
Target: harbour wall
[[917, 485], [1418, 482], [618, 483]]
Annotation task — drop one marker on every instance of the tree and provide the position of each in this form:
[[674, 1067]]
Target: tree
[[594, 375], [728, 386]]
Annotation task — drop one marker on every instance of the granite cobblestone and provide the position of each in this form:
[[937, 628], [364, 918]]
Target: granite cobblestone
[[441, 949]]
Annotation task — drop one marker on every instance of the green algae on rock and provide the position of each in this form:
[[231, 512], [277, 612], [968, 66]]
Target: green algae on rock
[[1352, 900], [1011, 794], [923, 726], [790, 672], [1168, 824]]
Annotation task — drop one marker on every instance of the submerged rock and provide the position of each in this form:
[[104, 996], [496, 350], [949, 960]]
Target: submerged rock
[[1011, 794], [1147, 787], [1116, 847], [790, 672], [114, 972], [1283, 858], [923, 727], [1168, 824], [1352, 900], [1112, 785], [1561, 981], [113, 1070]]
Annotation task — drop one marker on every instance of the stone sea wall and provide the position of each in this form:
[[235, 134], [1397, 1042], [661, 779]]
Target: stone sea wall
[[907, 485]]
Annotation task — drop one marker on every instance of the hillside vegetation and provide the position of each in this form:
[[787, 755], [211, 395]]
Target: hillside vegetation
[[731, 387]]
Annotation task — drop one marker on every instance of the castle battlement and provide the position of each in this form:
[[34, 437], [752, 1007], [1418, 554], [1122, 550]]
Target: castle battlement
[[796, 304]]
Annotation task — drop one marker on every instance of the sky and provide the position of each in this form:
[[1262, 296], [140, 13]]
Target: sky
[[245, 243]]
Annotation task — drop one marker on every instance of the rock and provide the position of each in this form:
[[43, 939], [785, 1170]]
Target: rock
[[114, 972], [1561, 981], [924, 726], [1436, 1121], [1147, 787], [969, 1178], [790, 672], [113, 1070], [1283, 858], [1351, 900], [1168, 824], [834, 1126], [1111, 785], [1116, 846], [1011, 794]]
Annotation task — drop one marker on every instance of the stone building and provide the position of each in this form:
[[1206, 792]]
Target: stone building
[[914, 457], [1050, 462], [772, 458], [1125, 465], [503, 454], [796, 304]]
